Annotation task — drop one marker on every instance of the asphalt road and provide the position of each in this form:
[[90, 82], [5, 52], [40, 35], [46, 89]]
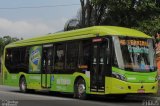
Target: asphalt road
[[10, 96]]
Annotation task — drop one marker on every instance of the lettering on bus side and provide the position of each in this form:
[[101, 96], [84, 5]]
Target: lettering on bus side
[[62, 81], [14, 77]]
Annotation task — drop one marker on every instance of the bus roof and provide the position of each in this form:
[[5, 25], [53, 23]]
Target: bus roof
[[81, 33]]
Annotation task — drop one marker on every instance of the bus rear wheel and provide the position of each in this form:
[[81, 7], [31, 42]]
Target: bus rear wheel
[[80, 89], [23, 85]]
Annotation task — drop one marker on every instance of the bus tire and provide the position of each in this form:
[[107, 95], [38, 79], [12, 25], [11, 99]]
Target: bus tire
[[80, 89], [23, 85]]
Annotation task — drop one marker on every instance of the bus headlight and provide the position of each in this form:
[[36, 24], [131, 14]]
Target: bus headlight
[[118, 76]]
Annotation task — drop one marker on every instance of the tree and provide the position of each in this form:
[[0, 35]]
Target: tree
[[139, 14], [5, 41], [71, 24], [143, 15], [157, 3], [83, 10], [92, 12], [1, 46], [151, 27]]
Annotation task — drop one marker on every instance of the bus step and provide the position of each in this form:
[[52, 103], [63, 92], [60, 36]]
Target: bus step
[[93, 89], [101, 90]]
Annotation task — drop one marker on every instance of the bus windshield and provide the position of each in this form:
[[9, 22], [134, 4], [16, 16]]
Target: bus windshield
[[137, 54]]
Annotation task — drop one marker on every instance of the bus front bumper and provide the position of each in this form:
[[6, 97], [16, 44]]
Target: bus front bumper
[[116, 86]]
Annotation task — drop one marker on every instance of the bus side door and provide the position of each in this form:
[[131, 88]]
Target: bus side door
[[99, 64], [47, 62]]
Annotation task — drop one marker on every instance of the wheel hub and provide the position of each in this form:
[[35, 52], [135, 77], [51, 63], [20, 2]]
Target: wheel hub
[[23, 86], [81, 88]]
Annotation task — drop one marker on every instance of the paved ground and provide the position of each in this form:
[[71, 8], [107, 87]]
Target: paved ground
[[12, 96]]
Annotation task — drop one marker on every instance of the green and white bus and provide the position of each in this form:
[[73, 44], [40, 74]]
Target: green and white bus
[[97, 60]]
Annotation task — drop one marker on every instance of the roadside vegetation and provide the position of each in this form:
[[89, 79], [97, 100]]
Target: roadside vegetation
[[0, 79]]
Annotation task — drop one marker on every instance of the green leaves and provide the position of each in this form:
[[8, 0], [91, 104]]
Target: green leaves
[[150, 26], [6, 40], [143, 15]]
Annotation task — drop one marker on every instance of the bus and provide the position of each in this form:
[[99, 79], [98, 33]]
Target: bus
[[98, 60]]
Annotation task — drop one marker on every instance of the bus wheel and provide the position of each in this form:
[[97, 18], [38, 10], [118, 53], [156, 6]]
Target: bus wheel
[[23, 85], [80, 89]]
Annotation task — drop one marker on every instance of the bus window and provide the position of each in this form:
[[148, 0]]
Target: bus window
[[59, 57], [17, 60], [85, 54], [72, 56], [47, 58], [136, 54]]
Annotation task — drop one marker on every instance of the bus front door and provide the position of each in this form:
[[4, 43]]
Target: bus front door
[[99, 64], [46, 66]]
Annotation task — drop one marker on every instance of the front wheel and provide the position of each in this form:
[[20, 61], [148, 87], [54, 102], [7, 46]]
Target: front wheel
[[80, 89], [23, 85]]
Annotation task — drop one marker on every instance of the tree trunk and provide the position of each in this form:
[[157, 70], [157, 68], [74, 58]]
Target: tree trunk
[[82, 14], [89, 12], [100, 14]]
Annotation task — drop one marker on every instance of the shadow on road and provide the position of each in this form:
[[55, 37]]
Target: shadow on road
[[108, 99]]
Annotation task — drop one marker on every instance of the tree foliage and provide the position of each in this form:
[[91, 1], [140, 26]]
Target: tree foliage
[[92, 12], [71, 24], [6, 40], [139, 14], [143, 15]]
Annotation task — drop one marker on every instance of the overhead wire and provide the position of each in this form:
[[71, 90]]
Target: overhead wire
[[34, 7]]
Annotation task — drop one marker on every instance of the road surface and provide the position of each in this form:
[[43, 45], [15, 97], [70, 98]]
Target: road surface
[[10, 96]]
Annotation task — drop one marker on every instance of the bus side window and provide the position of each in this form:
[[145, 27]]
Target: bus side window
[[17, 60], [47, 59], [59, 62], [72, 56], [85, 54]]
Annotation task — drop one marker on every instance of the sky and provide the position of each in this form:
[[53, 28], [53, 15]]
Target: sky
[[21, 18]]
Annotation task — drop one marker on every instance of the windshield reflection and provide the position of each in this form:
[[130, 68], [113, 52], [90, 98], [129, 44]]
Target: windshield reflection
[[137, 54]]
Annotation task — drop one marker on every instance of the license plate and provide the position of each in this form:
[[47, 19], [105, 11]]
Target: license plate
[[141, 91]]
